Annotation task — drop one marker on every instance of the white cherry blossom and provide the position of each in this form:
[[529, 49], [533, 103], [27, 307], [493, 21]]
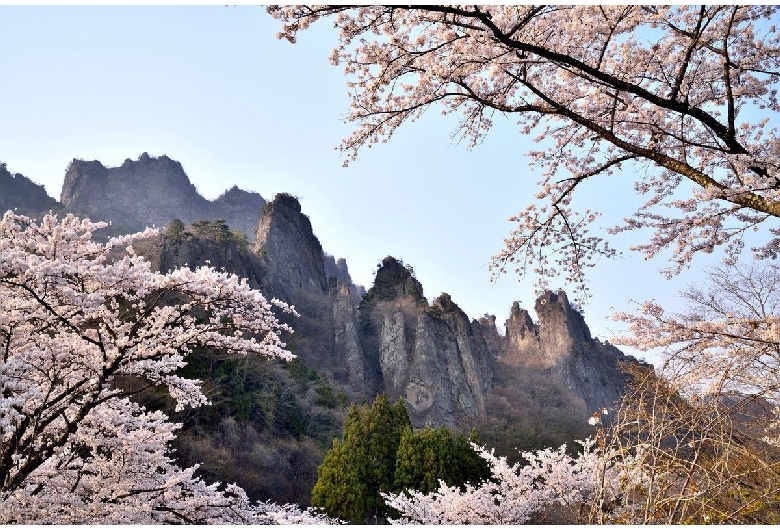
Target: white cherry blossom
[[77, 316], [681, 99]]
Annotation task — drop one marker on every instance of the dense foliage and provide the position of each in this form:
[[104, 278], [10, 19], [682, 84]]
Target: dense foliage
[[379, 452], [360, 465], [216, 230], [430, 455], [267, 429]]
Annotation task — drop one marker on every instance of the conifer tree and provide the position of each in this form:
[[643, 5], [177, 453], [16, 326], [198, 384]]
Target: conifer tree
[[428, 456], [362, 465], [339, 490], [423, 458], [379, 453]]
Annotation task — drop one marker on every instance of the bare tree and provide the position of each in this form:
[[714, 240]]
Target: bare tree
[[704, 430]]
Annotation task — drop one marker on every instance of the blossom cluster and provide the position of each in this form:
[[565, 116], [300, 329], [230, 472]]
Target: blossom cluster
[[79, 317]]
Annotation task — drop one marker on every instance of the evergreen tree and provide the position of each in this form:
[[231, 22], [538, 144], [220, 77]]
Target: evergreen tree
[[339, 490], [430, 455], [382, 445], [380, 453], [362, 464], [216, 230], [175, 229], [421, 459], [472, 468]]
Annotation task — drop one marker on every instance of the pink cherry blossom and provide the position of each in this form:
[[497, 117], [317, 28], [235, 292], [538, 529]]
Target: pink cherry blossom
[[681, 99], [76, 316]]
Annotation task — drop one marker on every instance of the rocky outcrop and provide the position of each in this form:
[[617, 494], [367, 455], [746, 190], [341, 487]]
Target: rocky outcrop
[[336, 268], [286, 242], [294, 265], [346, 340], [449, 370], [560, 345], [19, 193], [151, 192], [427, 355], [338, 271], [167, 253], [446, 367]]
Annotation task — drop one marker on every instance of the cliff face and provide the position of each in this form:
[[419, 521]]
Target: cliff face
[[166, 253], [240, 209], [560, 345], [20, 193], [428, 356], [346, 339], [292, 253], [151, 191], [297, 271], [449, 370]]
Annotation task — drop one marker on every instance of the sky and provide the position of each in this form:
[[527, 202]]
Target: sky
[[213, 88]]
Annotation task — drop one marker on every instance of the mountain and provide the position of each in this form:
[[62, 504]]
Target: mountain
[[20, 193], [426, 354], [388, 339], [393, 340], [534, 383], [447, 367], [151, 192]]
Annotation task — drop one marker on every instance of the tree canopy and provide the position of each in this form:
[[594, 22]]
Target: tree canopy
[[431, 455], [675, 94], [379, 453], [360, 465], [77, 318]]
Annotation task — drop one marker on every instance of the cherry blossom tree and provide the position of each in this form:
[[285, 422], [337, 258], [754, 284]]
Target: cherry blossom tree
[[77, 318], [709, 416], [682, 96], [516, 493], [727, 340], [666, 460]]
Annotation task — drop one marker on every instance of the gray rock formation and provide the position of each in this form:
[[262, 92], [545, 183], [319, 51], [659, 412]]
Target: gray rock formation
[[426, 355], [151, 192], [240, 209], [446, 367], [19, 193], [167, 253], [449, 370], [294, 265], [587, 366], [346, 339], [293, 254]]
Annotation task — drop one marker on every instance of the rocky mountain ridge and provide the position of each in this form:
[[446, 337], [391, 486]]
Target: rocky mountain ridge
[[390, 339], [19, 193], [151, 192]]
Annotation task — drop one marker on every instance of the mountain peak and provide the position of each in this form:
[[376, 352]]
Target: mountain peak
[[151, 191], [395, 280], [287, 242], [18, 192]]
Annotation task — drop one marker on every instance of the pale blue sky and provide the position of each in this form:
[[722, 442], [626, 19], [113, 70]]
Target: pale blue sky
[[214, 89]]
